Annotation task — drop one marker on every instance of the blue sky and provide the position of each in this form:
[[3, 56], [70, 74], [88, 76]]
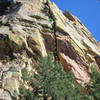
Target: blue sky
[[88, 11]]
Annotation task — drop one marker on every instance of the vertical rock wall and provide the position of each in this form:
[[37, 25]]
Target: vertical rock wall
[[38, 27]]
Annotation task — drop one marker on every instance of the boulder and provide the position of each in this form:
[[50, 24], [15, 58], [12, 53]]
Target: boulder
[[5, 95]]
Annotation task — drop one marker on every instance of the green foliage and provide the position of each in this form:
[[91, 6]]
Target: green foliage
[[52, 81], [26, 94], [55, 82], [50, 20], [25, 75], [94, 86]]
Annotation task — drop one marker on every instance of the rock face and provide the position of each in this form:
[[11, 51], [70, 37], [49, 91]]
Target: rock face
[[38, 27]]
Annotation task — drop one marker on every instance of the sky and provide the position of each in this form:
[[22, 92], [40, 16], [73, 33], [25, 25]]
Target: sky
[[88, 11]]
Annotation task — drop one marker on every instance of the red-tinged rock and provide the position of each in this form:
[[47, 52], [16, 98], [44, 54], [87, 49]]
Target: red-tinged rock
[[69, 64], [97, 58]]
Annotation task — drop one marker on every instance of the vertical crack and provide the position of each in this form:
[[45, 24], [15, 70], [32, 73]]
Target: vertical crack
[[51, 16]]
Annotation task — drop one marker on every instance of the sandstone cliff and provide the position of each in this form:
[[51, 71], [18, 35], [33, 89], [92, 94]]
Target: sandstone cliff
[[38, 27]]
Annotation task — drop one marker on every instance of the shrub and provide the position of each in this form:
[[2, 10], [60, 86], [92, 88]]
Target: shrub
[[55, 82], [51, 81], [94, 86], [26, 94]]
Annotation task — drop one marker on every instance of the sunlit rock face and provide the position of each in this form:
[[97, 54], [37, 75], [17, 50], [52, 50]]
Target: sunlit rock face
[[28, 31]]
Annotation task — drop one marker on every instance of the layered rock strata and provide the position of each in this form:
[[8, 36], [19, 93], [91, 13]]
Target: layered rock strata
[[38, 27]]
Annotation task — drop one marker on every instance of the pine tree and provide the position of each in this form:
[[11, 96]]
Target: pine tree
[[55, 82], [50, 82], [94, 86]]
